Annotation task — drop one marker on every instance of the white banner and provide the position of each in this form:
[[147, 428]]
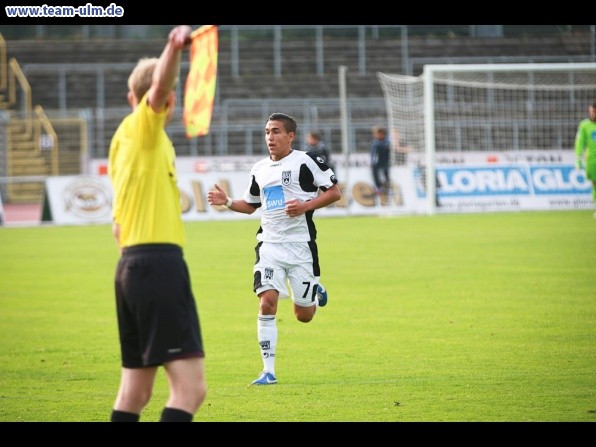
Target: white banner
[[460, 188]]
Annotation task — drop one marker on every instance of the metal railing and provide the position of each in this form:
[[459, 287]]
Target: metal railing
[[237, 126]]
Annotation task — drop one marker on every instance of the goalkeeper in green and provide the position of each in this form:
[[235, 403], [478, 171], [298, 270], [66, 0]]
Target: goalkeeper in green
[[585, 140]]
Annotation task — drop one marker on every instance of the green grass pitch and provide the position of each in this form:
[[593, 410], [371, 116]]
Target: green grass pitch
[[447, 318]]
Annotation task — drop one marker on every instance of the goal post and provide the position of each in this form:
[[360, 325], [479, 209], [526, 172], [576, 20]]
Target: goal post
[[485, 109]]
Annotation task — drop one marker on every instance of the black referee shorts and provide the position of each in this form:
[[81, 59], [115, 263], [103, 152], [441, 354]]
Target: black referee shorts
[[158, 319]]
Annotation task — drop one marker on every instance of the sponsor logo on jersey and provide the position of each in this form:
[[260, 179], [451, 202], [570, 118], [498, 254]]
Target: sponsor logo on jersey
[[274, 197]]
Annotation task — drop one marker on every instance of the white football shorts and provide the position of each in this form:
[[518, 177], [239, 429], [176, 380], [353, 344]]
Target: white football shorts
[[288, 268]]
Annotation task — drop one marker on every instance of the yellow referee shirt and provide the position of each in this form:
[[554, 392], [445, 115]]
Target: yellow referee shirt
[[142, 170]]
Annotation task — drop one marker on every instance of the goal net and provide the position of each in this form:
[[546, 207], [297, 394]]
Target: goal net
[[471, 112]]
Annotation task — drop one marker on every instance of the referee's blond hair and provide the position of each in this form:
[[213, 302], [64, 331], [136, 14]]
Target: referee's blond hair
[[140, 79]]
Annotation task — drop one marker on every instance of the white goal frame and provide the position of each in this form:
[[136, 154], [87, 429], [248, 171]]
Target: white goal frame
[[428, 78]]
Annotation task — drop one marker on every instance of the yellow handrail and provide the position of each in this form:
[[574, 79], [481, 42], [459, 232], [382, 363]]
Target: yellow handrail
[[3, 66], [49, 129], [15, 73]]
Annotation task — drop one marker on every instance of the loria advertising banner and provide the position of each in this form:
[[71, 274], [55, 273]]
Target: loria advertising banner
[[524, 186]]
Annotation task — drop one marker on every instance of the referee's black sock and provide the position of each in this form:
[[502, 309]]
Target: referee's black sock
[[124, 416], [175, 415]]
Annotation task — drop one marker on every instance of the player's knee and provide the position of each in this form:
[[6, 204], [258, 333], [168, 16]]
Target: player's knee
[[199, 396], [268, 302], [189, 397], [304, 314], [134, 400]]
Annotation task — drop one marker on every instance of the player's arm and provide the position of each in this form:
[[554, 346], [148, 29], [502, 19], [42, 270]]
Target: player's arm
[[218, 196], [116, 234], [297, 207], [329, 196], [580, 145], [166, 71]]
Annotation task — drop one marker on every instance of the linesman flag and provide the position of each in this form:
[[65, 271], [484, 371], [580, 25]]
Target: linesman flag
[[199, 91]]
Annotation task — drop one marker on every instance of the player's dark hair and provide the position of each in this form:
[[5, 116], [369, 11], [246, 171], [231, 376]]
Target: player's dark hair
[[288, 121]]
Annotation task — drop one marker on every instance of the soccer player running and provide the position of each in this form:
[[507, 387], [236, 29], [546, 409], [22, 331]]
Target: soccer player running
[[286, 187], [585, 140], [158, 320]]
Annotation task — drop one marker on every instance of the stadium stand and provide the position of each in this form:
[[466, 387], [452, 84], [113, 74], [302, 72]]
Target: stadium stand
[[86, 78], [298, 71]]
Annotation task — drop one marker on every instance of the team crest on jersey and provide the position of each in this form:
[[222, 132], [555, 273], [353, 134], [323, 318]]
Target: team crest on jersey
[[268, 273], [286, 178]]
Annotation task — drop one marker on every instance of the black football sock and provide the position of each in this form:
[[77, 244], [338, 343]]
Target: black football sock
[[124, 416], [175, 415]]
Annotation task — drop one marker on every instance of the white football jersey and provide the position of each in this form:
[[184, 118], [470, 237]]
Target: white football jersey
[[296, 176]]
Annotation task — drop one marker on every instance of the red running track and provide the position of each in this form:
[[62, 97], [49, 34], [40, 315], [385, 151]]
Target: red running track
[[22, 214]]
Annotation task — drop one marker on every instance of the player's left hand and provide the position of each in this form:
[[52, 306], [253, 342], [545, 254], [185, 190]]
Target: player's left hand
[[294, 207]]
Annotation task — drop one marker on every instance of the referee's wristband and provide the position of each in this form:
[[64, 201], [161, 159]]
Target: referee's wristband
[[229, 202]]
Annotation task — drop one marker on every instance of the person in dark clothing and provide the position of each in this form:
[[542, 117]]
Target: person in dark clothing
[[316, 146], [380, 160]]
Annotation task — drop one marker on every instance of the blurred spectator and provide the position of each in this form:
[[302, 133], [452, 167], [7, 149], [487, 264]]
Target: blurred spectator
[[315, 145], [380, 160]]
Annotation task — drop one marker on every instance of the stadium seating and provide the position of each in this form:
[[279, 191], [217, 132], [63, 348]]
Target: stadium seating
[[257, 77], [76, 74]]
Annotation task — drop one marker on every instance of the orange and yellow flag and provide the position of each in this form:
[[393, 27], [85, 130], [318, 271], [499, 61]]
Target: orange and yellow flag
[[199, 91]]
